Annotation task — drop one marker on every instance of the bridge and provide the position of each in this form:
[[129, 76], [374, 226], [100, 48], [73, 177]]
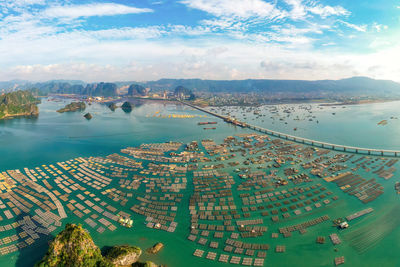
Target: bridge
[[315, 143]]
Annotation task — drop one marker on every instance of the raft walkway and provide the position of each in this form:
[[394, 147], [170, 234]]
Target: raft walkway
[[315, 143]]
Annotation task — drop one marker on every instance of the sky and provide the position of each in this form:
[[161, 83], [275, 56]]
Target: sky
[[141, 40]]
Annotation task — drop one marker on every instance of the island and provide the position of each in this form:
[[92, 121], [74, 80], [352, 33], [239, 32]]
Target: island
[[75, 247], [74, 106], [112, 106], [127, 106], [18, 104], [88, 116]]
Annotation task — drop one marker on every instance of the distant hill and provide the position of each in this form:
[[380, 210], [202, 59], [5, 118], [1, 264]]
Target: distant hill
[[100, 89], [351, 87], [137, 90], [183, 93]]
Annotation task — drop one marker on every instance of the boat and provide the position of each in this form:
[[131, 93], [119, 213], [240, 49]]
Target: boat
[[125, 221], [207, 122], [397, 187]]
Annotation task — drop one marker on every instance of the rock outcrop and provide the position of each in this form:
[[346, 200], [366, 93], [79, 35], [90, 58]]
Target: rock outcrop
[[112, 106], [88, 116], [123, 255], [72, 247], [74, 106], [127, 106], [137, 90], [156, 248]]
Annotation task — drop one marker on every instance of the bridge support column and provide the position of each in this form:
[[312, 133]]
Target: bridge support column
[[395, 154], [333, 147], [369, 152], [344, 149]]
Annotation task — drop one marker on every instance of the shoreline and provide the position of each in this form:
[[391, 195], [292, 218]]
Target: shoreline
[[361, 102], [19, 115], [324, 103]]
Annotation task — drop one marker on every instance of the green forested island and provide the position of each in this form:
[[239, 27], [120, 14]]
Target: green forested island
[[74, 106], [18, 104], [74, 247]]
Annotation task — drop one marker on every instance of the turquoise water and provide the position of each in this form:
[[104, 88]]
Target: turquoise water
[[352, 125], [57, 137]]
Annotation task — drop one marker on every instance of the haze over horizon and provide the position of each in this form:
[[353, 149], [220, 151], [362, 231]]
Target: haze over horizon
[[207, 39]]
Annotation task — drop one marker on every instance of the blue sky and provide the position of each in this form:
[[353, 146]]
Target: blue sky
[[209, 39]]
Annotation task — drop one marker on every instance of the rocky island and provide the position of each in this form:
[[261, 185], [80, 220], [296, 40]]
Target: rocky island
[[88, 116], [74, 247], [18, 104], [112, 106], [156, 248], [74, 106], [127, 106]]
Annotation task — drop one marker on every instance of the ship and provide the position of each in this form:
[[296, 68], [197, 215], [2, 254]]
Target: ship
[[207, 122]]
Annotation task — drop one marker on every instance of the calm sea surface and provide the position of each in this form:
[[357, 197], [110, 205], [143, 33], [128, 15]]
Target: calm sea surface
[[55, 137]]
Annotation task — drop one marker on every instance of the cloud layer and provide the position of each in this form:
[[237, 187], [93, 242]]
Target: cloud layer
[[211, 39]]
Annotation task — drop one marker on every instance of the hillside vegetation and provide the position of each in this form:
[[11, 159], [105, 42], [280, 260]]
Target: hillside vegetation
[[74, 247], [19, 103]]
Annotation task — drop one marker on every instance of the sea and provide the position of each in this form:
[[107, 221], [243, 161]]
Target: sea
[[55, 137]]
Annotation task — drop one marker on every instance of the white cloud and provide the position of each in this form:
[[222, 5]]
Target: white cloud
[[326, 11], [360, 28], [236, 8], [379, 27], [231, 43], [88, 10], [127, 33], [78, 57], [298, 9], [20, 3]]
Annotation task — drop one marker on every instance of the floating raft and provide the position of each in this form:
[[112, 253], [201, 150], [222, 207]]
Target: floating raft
[[335, 239], [339, 260], [359, 214]]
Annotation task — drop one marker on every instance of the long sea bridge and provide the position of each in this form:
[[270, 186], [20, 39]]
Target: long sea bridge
[[315, 143]]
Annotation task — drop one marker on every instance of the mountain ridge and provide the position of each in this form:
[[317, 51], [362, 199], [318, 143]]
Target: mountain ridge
[[349, 86]]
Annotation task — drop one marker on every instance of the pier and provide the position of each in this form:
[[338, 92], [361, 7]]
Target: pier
[[315, 143]]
